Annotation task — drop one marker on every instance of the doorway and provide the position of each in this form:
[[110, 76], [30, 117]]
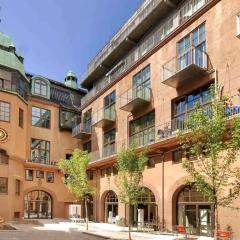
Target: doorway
[[37, 205], [195, 212]]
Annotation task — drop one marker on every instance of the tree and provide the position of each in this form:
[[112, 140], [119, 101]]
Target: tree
[[75, 170], [130, 165], [212, 140]]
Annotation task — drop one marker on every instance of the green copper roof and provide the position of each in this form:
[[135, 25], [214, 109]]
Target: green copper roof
[[5, 40], [71, 79], [9, 58]]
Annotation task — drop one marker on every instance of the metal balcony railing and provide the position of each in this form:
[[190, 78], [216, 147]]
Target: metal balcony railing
[[135, 97], [145, 9], [159, 34], [160, 133], [81, 130], [185, 65], [104, 116], [42, 160]]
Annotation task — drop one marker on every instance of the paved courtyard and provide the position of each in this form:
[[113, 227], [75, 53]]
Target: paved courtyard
[[32, 232], [66, 230]]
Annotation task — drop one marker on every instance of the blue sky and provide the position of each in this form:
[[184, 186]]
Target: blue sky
[[57, 35]]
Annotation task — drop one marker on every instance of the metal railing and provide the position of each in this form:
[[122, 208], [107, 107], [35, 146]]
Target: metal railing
[[158, 133], [163, 30], [143, 11], [192, 55], [107, 113], [135, 92], [42, 160], [81, 128]]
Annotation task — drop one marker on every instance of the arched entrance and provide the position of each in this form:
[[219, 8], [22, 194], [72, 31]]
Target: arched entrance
[[195, 211], [145, 211], [37, 204], [111, 207]]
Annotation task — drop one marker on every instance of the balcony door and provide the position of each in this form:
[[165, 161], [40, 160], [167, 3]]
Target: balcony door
[[191, 49]]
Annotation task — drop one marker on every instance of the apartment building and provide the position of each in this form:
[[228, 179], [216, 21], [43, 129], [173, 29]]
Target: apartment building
[[141, 86], [36, 119]]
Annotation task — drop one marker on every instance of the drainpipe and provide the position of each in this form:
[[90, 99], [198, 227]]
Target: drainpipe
[[216, 83], [163, 158]]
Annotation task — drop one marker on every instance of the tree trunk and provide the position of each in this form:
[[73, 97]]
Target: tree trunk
[[86, 211], [129, 222], [215, 220]]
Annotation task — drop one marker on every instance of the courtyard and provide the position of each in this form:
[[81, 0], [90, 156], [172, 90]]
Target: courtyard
[[62, 229]]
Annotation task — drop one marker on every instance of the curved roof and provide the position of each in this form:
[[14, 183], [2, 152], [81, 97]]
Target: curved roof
[[9, 58]]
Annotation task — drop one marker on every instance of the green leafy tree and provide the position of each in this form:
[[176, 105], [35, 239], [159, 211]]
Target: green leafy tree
[[212, 140], [130, 165], [75, 170]]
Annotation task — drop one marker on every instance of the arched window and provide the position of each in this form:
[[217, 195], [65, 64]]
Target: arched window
[[37, 204], [194, 211], [111, 197], [40, 87], [111, 207], [147, 196]]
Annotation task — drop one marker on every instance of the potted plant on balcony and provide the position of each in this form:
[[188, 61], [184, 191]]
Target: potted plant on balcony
[[76, 180]]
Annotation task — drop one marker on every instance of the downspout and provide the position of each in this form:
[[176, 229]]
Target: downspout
[[216, 83], [163, 224]]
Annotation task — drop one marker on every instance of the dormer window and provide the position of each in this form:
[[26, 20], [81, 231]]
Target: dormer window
[[40, 87]]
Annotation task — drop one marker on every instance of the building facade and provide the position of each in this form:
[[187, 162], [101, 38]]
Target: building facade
[[141, 86], [36, 119]]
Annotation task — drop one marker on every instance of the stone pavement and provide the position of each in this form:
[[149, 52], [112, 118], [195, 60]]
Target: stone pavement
[[66, 230]]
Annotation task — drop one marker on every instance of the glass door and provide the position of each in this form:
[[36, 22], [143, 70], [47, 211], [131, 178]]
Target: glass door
[[205, 220]]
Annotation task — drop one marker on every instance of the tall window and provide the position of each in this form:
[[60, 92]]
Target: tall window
[[40, 117], [142, 78], [109, 105], [87, 120], [50, 177], [87, 146], [191, 48], [3, 185], [40, 151], [4, 111], [238, 25], [142, 83], [68, 119], [3, 157], [17, 187], [183, 106], [29, 175], [20, 118], [109, 146], [40, 87], [142, 130]]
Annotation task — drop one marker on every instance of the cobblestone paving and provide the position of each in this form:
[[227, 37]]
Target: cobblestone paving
[[27, 232]]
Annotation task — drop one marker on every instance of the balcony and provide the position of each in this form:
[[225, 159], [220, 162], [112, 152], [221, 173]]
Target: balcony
[[81, 131], [185, 67], [41, 162], [104, 117], [135, 98], [168, 26]]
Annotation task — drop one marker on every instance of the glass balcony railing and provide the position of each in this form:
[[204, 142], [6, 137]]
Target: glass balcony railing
[[104, 117], [160, 133], [109, 150], [159, 34], [81, 131], [135, 98], [184, 67]]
